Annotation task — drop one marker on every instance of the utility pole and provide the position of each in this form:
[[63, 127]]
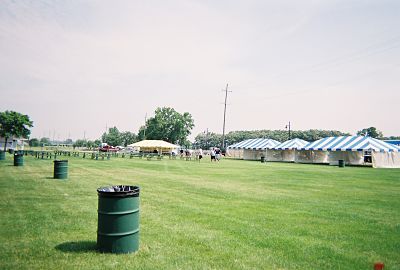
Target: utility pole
[[144, 130], [223, 127], [288, 126]]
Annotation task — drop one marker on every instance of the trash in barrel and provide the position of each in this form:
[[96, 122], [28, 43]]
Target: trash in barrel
[[118, 219], [60, 169], [341, 163], [2, 155], [18, 159], [262, 159]]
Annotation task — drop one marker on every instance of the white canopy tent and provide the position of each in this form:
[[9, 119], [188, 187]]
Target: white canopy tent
[[152, 145]]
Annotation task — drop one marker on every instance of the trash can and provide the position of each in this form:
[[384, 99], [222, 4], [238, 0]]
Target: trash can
[[2, 155], [341, 163], [262, 159], [118, 219], [60, 169], [18, 159]]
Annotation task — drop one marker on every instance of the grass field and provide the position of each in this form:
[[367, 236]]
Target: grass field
[[228, 215]]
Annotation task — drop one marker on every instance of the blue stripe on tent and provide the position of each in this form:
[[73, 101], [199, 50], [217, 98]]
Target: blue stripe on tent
[[254, 144], [338, 141], [353, 143], [327, 142], [348, 143], [312, 144], [316, 144]]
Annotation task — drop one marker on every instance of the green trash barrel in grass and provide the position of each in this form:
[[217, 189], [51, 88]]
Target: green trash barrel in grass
[[2, 155], [341, 163], [262, 159], [18, 159], [60, 169], [118, 219]]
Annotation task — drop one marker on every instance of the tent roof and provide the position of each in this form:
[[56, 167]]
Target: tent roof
[[154, 144], [291, 144], [254, 144], [350, 143]]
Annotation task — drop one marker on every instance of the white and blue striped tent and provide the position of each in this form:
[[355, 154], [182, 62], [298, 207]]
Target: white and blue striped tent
[[285, 151], [255, 144], [291, 144], [252, 149], [350, 143]]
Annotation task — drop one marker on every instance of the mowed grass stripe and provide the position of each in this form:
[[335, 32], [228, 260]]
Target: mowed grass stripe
[[227, 215]]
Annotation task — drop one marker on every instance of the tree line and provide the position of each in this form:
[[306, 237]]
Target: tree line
[[206, 140], [172, 126]]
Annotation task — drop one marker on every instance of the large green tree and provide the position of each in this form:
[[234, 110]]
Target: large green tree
[[206, 140], [169, 125], [34, 142], [128, 137], [371, 132], [112, 137], [14, 124]]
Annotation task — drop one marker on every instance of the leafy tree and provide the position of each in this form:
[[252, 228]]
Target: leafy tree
[[34, 142], [69, 141], [14, 124], [112, 137], [80, 143], [371, 132], [169, 125], [45, 141], [128, 137], [141, 133], [206, 140], [96, 143], [391, 138]]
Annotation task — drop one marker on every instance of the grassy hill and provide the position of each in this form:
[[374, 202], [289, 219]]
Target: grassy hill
[[228, 215]]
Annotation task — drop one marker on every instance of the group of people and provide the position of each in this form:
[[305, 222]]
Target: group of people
[[215, 154]]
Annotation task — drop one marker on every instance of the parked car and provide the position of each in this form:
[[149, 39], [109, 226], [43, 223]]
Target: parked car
[[108, 148]]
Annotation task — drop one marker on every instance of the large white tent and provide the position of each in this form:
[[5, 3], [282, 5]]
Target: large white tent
[[285, 151], [253, 149], [151, 145], [354, 150]]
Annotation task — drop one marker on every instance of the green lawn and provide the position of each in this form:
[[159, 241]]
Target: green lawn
[[228, 215]]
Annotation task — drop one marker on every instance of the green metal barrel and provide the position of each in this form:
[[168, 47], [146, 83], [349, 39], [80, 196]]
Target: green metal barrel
[[2, 155], [118, 219], [60, 169], [262, 159], [18, 159], [341, 163]]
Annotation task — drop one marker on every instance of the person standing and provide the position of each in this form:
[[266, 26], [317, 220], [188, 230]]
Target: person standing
[[200, 154], [212, 154], [217, 154]]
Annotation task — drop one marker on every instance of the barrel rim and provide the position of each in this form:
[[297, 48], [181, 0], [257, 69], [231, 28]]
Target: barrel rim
[[133, 191], [59, 161]]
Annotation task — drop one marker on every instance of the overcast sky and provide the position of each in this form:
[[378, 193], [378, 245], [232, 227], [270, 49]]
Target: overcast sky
[[79, 66]]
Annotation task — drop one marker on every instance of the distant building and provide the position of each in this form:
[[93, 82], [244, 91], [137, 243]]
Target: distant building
[[12, 143]]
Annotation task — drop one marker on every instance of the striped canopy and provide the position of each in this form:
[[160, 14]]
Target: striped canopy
[[255, 144], [291, 144], [350, 143]]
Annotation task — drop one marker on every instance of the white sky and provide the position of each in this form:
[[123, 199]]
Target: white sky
[[79, 66]]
